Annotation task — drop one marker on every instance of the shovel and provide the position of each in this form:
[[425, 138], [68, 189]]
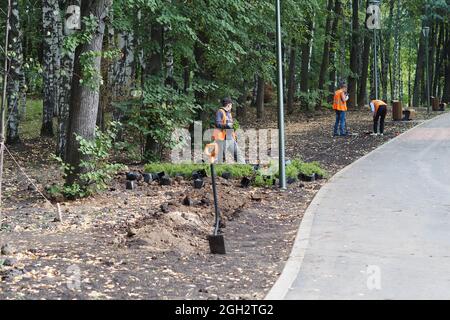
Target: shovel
[[216, 240]]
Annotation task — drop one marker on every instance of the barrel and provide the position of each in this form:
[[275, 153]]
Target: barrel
[[435, 103], [397, 110]]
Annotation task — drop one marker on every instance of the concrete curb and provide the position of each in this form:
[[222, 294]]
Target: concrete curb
[[294, 263]]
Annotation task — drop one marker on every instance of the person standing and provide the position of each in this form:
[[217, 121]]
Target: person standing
[[379, 111], [224, 134], [340, 106]]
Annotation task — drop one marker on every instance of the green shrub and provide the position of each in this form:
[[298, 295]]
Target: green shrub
[[292, 172], [263, 181], [297, 167], [308, 168]]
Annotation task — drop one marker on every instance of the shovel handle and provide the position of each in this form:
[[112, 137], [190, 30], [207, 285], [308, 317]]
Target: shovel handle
[[216, 204]]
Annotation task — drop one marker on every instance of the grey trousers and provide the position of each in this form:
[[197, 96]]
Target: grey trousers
[[229, 152]]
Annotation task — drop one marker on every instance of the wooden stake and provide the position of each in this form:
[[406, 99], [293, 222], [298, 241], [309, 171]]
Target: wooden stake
[[59, 212]]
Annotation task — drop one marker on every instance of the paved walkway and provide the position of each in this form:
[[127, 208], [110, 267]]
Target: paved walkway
[[380, 229]]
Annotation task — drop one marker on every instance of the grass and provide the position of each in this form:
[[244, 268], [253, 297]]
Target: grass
[[30, 125]]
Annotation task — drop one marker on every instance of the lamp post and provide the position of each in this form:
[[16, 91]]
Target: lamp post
[[426, 33], [282, 162]]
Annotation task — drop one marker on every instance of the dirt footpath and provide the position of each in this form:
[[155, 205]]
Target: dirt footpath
[[147, 244]]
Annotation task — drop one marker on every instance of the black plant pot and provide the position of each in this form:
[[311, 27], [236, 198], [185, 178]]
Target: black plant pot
[[199, 174], [187, 201], [307, 178], [132, 176], [226, 175], [147, 177], [130, 185], [245, 182], [291, 180], [198, 183], [161, 174], [165, 181]]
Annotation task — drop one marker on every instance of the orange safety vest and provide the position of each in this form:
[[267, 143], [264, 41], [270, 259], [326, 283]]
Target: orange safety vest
[[221, 134], [377, 104], [338, 103]]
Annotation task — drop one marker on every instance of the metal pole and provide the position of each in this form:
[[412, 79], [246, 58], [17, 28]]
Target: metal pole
[[281, 142], [3, 103]]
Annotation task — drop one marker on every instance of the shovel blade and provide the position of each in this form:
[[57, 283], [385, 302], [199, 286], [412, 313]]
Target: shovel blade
[[217, 244]]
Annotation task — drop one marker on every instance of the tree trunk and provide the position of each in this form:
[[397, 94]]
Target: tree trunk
[[385, 47], [419, 71], [17, 79], [354, 56], [51, 63], [326, 46], [260, 98], [291, 80], [440, 54], [154, 68], [332, 51], [84, 99], [186, 75], [65, 81], [306, 61], [446, 88], [241, 110], [365, 60]]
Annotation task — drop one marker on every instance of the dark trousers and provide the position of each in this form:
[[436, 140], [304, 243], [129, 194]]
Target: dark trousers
[[379, 117], [340, 124]]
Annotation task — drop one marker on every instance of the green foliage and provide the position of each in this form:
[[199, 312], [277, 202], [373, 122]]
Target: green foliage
[[33, 76], [96, 169], [162, 110], [308, 168], [263, 181], [89, 26], [91, 76]]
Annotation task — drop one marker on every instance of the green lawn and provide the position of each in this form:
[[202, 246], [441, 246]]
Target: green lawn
[[30, 125]]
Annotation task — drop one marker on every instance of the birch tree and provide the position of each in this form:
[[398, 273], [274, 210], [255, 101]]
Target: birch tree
[[16, 83], [51, 62]]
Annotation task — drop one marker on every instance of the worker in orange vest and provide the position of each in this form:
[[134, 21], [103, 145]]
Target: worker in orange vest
[[340, 106], [379, 111], [224, 134]]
